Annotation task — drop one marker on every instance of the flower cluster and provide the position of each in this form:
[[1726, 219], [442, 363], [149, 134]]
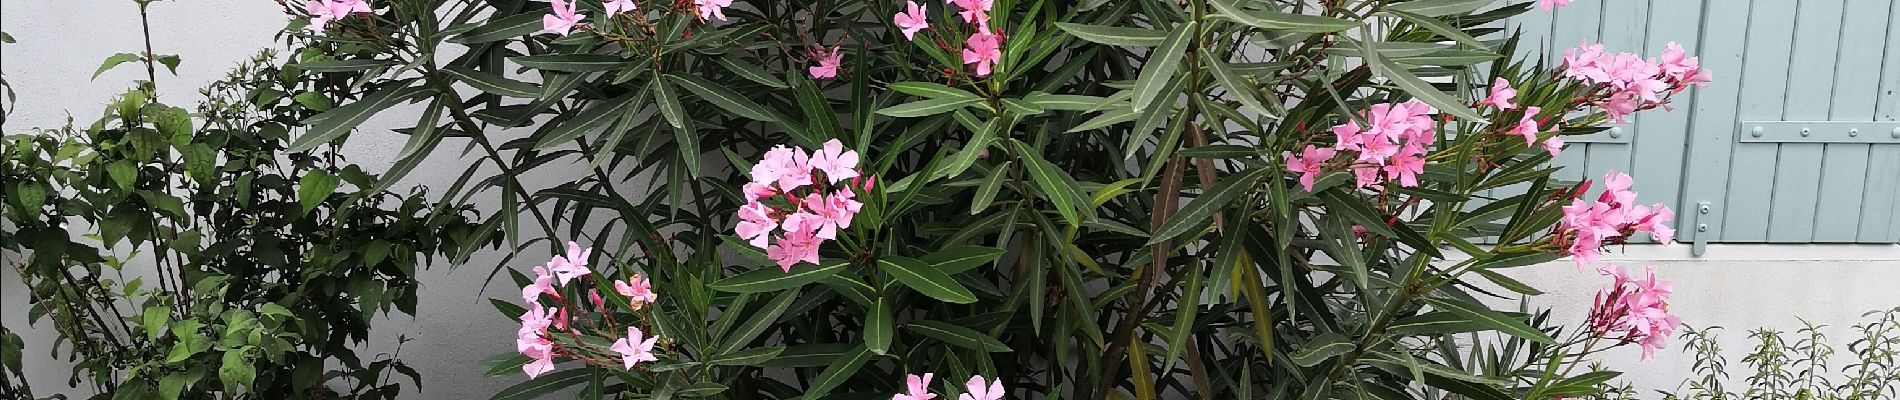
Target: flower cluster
[[1391, 147], [983, 49], [1502, 96], [787, 196], [564, 15], [1637, 309], [1629, 82], [917, 387], [324, 11], [1611, 219], [533, 339]]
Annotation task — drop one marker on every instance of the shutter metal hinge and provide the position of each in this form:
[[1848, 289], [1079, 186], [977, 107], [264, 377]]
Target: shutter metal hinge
[[1701, 244]]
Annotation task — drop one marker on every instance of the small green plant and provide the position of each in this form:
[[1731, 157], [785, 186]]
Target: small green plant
[[1798, 369]]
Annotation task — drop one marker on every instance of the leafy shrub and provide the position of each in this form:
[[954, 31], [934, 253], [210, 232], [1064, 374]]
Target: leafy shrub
[[269, 266]]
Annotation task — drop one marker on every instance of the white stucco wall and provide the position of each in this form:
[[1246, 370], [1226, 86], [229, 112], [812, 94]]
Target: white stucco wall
[[1738, 286]]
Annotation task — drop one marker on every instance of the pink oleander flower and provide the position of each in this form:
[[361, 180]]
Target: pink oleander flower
[[619, 6], [593, 296], [794, 247], [983, 49], [712, 9], [1581, 63], [756, 223], [638, 289], [1612, 218], [324, 11], [787, 167], [1547, 5], [563, 19], [635, 348], [833, 212], [975, 12], [1527, 127], [571, 265], [1501, 95], [1686, 70], [1554, 145], [828, 61], [1637, 310], [320, 14], [1309, 164], [1365, 175], [756, 190], [976, 390], [543, 284], [531, 340], [919, 388], [839, 164], [912, 21], [1406, 168]]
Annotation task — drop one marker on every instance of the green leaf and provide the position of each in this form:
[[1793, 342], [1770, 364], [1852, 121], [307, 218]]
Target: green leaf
[[1238, 87], [927, 107], [1067, 102], [235, 370], [548, 383], [986, 193], [1054, 184], [331, 124], [844, 366], [492, 83], [170, 61], [1220, 151], [1439, 7], [1439, 27], [1322, 348], [1114, 116], [1419, 88], [929, 281], [586, 120], [1159, 68], [502, 28], [956, 259], [878, 326], [1115, 35], [724, 98], [174, 384], [1279, 21], [965, 157], [123, 172], [154, 320], [757, 323], [751, 72], [1196, 214], [752, 356], [114, 61], [314, 187], [1516, 259], [314, 101], [959, 336], [1493, 319], [342, 65], [669, 104], [572, 62], [932, 90], [768, 280]]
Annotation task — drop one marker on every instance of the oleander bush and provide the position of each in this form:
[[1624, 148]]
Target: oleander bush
[[996, 199]]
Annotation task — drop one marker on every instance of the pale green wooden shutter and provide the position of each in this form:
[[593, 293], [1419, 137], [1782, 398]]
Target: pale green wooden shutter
[[1796, 141]]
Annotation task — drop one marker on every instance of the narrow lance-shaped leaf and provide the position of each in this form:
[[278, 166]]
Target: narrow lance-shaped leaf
[[1195, 215], [1161, 64], [926, 280], [1115, 35]]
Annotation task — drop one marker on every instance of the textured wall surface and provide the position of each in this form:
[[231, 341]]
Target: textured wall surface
[[1736, 286]]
